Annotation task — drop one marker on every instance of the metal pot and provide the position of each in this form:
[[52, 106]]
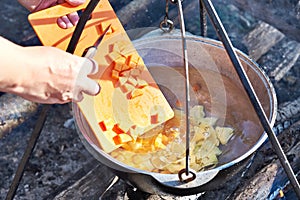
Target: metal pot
[[221, 93]]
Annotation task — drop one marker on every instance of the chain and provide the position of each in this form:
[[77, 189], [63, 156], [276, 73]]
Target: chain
[[167, 24]]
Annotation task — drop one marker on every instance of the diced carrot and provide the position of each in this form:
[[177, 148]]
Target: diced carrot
[[154, 119], [128, 58], [103, 26], [117, 140], [111, 48], [102, 126], [117, 129], [122, 138], [106, 124], [125, 67], [115, 74], [117, 66], [133, 126]]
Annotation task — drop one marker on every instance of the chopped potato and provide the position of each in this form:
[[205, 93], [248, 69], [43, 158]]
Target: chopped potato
[[224, 134], [163, 149], [197, 114]]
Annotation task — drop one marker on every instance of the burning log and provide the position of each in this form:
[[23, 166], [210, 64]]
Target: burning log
[[14, 110]]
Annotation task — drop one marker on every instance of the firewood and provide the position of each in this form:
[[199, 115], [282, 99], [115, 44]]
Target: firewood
[[91, 181], [262, 184], [14, 110], [281, 58], [261, 39], [283, 15]]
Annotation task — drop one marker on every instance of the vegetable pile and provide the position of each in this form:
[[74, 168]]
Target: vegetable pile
[[162, 149]]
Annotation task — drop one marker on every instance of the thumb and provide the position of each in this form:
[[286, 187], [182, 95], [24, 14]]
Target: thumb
[[83, 82]]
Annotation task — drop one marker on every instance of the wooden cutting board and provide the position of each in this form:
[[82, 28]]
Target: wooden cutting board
[[130, 102]]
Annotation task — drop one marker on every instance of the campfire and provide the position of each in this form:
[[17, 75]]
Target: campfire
[[62, 168]]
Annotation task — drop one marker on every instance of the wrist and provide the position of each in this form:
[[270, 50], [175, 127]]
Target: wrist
[[11, 66]]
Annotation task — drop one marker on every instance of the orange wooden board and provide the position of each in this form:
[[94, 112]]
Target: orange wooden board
[[130, 101]]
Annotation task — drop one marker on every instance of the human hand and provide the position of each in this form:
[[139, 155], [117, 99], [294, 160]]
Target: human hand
[[67, 21], [45, 74], [54, 76]]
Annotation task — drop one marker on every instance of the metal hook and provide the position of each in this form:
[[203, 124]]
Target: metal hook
[[166, 25], [186, 177]]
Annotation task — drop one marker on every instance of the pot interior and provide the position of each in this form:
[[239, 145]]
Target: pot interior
[[214, 84], [219, 89]]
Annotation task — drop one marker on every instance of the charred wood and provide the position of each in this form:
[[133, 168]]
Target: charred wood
[[14, 110], [139, 13], [265, 183], [261, 39], [281, 58], [286, 19], [90, 182], [288, 110]]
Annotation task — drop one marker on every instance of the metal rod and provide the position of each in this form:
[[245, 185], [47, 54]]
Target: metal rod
[[203, 20], [251, 93], [43, 115], [81, 24], [187, 84], [31, 144]]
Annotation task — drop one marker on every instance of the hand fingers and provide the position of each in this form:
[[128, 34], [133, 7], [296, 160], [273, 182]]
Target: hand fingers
[[90, 66], [64, 22], [75, 2], [90, 86], [85, 84], [68, 21], [61, 23], [73, 18]]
